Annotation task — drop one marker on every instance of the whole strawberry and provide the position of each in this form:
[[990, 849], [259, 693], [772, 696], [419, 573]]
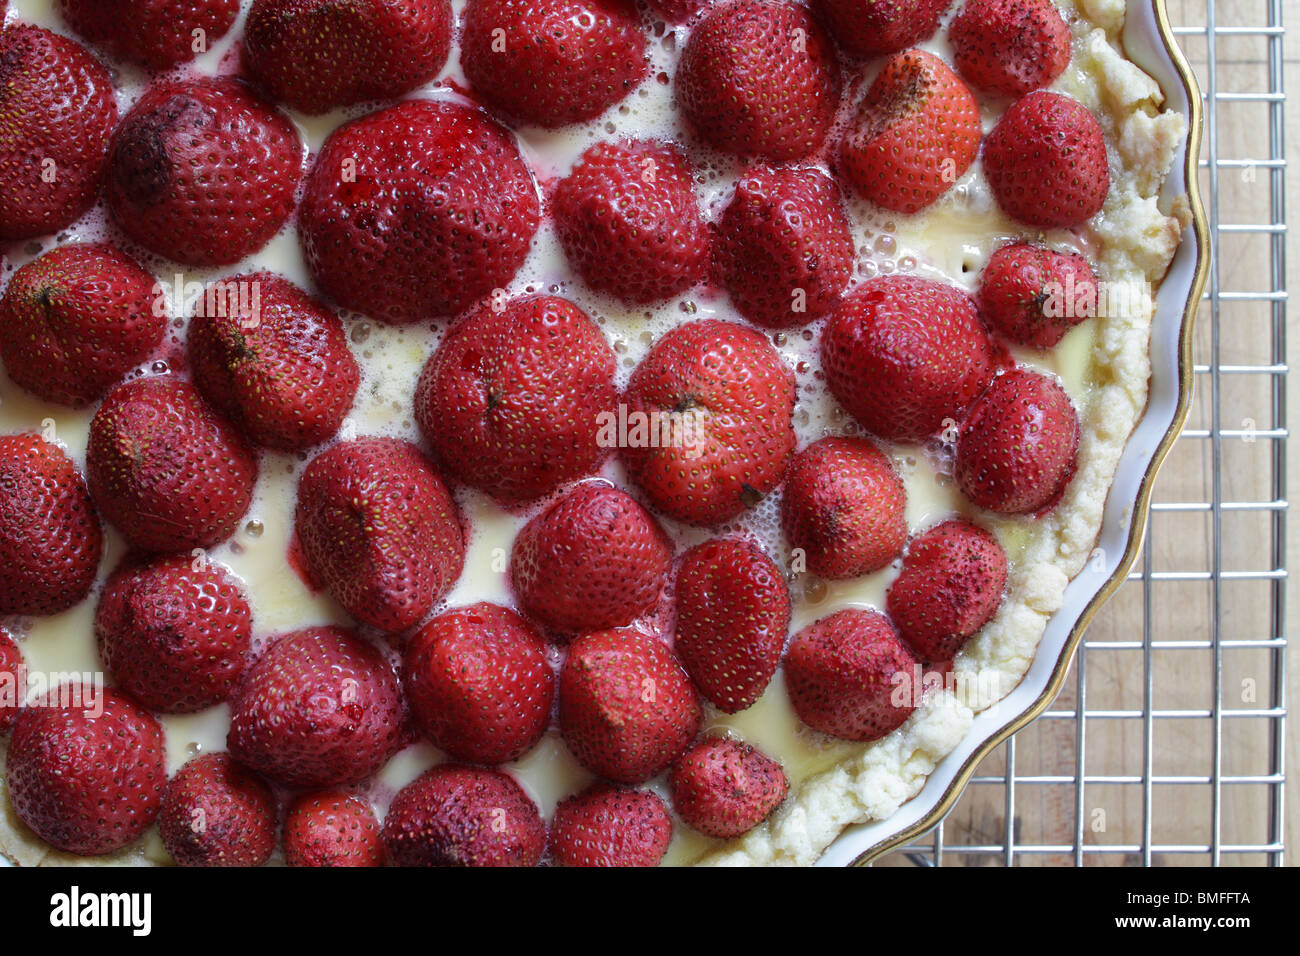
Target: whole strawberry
[[174, 632], [379, 531], [1033, 296], [850, 676], [720, 403], [866, 28], [627, 708], [1046, 161], [154, 34], [417, 211], [12, 677], [630, 223], [784, 250], [167, 471], [74, 322], [951, 585], [724, 788], [319, 55], [320, 708], [1010, 46], [759, 78], [50, 538], [733, 611], [594, 559], [217, 813], [464, 816], [553, 62], [202, 171], [479, 684], [843, 510], [609, 826], [332, 828], [57, 113], [916, 132], [85, 769], [905, 355], [512, 401], [1018, 445], [273, 360]]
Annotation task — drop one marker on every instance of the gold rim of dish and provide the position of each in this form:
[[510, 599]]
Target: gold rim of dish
[[1142, 505]]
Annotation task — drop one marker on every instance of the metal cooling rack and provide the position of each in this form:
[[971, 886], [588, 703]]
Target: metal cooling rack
[[1184, 804]]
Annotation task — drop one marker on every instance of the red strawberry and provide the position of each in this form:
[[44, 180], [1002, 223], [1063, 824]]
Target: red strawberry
[[332, 828], [154, 34], [1046, 161], [479, 684], [417, 211], [785, 252], [57, 113], [76, 320], [13, 683], [320, 708], [1033, 296], [724, 788], [720, 403], [166, 470], [610, 826], [905, 355], [217, 813], [950, 586], [844, 508], [916, 132], [274, 360], [733, 611], [553, 62], [677, 11], [318, 55], [1017, 448], [594, 559], [866, 28], [1010, 46], [464, 816], [86, 769], [174, 633], [50, 539], [202, 171], [512, 400], [759, 78], [848, 675], [379, 531], [630, 223], [627, 708]]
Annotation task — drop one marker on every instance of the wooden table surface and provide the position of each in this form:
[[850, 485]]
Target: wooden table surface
[[1046, 813]]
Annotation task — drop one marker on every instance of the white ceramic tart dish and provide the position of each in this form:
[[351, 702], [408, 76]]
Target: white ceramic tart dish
[[1147, 40], [1134, 77], [1127, 371]]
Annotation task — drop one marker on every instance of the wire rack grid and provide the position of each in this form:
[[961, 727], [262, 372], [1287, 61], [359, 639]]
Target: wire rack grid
[[1167, 746]]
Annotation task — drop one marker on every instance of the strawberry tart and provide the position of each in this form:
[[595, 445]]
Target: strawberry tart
[[567, 432]]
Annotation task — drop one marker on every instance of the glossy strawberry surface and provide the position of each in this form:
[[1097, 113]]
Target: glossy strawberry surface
[[57, 113], [50, 538], [416, 211], [319, 55]]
